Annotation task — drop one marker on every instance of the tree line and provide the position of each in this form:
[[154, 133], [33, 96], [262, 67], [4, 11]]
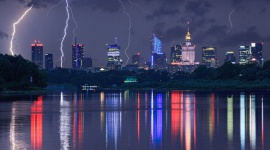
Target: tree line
[[226, 76], [16, 73]]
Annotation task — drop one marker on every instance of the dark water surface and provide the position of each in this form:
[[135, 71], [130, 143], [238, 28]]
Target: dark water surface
[[136, 120]]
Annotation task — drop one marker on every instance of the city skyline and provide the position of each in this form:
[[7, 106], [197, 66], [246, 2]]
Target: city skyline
[[225, 25]]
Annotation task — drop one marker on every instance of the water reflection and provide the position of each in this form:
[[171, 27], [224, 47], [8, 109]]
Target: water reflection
[[156, 119], [137, 120], [77, 121], [230, 118], [65, 123], [183, 119], [17, 135], [212, 116], [113, 119], [252, 121], [242, 121], [36, 124], [262, 124]]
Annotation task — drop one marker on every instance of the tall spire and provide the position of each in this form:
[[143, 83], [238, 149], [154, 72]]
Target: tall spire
[[188, 37]]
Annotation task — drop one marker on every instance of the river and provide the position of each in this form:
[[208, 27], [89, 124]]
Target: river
[[136, 120]]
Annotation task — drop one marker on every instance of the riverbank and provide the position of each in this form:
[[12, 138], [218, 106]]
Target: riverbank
[[201, 85]]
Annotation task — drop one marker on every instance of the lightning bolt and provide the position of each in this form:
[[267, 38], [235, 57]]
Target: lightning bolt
[[144, 11], [75, 22], [230, 19], [65, 34], [54, 7], [129, 28], [14, 29]]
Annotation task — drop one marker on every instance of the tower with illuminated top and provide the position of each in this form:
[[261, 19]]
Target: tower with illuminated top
[[114, 62], [77, 54], [37, 54], [188, 50]]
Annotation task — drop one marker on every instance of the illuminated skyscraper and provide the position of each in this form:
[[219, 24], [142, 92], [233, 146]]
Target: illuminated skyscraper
[[48, 61], [244, 54], [188, 50], [176, 54], [77, 54], [209, 56], [156, 45], [158, 59], [230, 57], [256, 51], [37, 54], [114, 61]]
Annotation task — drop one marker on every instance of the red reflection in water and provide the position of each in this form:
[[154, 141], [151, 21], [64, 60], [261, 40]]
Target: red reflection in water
[[195, 123], [36, 124], [262, 127], [187, 119], [138, 117], [175, 115], [77, 122]]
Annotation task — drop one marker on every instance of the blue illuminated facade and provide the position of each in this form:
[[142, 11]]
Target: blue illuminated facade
[[156, 45]]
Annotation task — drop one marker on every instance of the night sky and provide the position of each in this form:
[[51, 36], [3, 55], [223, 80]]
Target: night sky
[[100, 21]]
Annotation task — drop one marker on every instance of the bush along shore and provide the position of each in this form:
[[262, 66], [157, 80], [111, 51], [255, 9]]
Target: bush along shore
[[18, 75]]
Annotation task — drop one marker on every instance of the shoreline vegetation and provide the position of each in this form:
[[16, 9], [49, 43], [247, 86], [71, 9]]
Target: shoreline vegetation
[[20, 76]]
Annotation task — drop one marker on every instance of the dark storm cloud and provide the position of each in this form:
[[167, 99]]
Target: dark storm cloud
[[162, 12], [3, 35], [217, 31], [263, 10], [171, 34], [250, 35], [38, 3], [103, 5], [197, 8]]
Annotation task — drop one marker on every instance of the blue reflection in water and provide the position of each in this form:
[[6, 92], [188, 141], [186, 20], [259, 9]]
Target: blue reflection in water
[[242, 121], [64, 123], [113, 119], [156, 119]]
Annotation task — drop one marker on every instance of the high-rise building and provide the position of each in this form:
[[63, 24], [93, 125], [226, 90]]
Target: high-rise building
[[113, 56], [77, 54], [209, 56], [244, 54], [159, 61], [256, 52], [156, 45], [136, 59], [230, 57], [37, 54], [156, 49], [188, 50], [87, 62], [48, 61], [176, 54]]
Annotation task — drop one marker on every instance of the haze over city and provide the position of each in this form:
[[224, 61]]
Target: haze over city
[[223, 24]]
